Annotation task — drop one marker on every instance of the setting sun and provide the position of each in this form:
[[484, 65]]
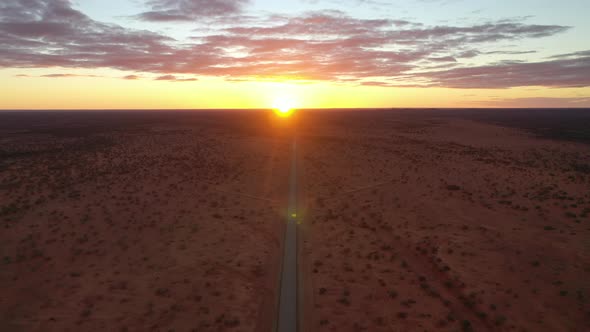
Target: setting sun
[[283, 106]]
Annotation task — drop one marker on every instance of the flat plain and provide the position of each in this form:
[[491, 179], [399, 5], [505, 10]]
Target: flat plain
[[410, 220], [139, 221], [447, 220]]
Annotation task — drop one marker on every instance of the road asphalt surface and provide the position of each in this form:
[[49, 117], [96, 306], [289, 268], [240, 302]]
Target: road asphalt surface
[[288, 297]]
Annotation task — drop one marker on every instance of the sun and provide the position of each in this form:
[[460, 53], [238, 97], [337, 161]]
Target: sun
[[284, 106]]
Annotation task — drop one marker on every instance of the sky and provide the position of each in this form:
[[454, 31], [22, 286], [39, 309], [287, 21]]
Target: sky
[[201, 54]]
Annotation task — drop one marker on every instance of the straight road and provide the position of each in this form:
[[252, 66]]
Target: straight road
[[288, 296]]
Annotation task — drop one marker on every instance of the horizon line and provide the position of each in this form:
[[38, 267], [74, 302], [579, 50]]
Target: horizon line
[[271, 109]]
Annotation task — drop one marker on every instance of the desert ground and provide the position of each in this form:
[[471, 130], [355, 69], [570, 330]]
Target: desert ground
[[140, 222], [442, 221], [410, 220]]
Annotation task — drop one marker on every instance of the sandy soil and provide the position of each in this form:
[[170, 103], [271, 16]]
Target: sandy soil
[[421, 223], [170, 224], [410, 222]]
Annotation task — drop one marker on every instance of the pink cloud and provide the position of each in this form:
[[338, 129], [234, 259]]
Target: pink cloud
[[539, 102], [190, 10], [172, 78], [66, 75], [326, 46], [570, 72]]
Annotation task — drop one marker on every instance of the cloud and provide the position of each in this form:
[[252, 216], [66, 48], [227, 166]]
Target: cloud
[[572, 55], [442, 59], [325, 23], [336, 23], [384, 84], [172, 78], [539, 102], [571, 72], [510, 52], [316, 46], [39, 33], [66, 75], [190, 10], [165, 78], [334, 46], [131, 77], [57, 75]]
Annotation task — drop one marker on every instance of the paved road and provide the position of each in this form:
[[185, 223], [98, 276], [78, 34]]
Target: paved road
[[288, 297]]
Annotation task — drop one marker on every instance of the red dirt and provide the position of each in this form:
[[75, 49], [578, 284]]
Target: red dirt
[[173, 222], [426, 224], [169, 226]]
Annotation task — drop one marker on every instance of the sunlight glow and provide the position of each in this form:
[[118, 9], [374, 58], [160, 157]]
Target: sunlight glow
[[284, 106]]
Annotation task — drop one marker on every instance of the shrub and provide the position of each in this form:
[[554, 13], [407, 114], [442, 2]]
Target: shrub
[[466, 325], [392, 294], [499, 320]]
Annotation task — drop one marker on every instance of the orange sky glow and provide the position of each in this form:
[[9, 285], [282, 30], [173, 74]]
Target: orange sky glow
[[247, 54]]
